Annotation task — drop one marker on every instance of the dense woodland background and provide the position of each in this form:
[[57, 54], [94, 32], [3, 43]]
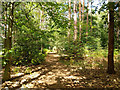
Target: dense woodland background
[[82, 34]]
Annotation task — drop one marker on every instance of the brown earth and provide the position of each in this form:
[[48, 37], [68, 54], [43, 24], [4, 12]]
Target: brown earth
[[53, 74]]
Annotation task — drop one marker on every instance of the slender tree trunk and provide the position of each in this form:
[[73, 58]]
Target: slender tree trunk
[[83, 11], [87, 18], [118, 37], [5, 26], [15, 34], [75, 20], [118, 32], [91, 16], [6, 75], [79, 19], [42, 22], [2, 24], [69, 20], [5, 39], [111, 40], [40, 19]]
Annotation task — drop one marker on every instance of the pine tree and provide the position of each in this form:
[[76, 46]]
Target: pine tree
[[111, 39]]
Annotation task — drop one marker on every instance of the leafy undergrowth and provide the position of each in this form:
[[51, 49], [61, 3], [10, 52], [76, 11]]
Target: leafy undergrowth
[[93, 60], [54, 74]]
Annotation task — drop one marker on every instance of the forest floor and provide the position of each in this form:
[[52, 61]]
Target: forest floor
[[54, 74]]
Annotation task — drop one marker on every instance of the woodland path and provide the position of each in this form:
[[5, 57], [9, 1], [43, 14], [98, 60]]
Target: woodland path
[[49, 75], [54, 74]]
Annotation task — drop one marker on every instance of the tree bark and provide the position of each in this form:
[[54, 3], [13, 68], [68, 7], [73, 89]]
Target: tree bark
[[118, 36], [75, 20], [83, 11], [6, 75], [79, 19], [2, 13], [69, 20], [5, 26], [42, 26], [87, 18], [111, 40], [91, 16], [118, 32]]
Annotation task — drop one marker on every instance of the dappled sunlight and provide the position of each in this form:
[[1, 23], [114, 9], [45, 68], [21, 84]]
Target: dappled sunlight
[[17, 74], [56, 55], [73, 44], [73, 77], [57, 75]]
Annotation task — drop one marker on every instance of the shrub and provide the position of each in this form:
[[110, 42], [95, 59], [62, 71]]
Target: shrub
[[74, 50]]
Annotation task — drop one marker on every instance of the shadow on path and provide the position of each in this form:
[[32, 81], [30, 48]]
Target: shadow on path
[[57, 75]]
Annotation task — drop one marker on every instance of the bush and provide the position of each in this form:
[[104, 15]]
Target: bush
[[45, 51], [74, 50], [24, 57], [27, 48]]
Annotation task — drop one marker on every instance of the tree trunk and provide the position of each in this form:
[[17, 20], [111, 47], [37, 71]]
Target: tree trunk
[[40, 19], [79, 19], [91, 16], [75, 20], [69, 20], [2, 24], [87, 18], [6, 75], [4, 14], [111, 40], [83, 11], [5, 26], [43, 20], [42, 26], [118, 37], [118, 32]]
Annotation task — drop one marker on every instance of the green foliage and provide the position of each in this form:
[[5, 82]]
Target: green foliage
[[103, 53], [116, 52], [45, 51], [29, 38], [75, 50], [17, 69], [34, 33], [28, 70], [93, 43], [28, 50]]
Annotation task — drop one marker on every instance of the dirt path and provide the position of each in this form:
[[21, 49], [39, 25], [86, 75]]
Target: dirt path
[[54, 74], [48, 75]]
